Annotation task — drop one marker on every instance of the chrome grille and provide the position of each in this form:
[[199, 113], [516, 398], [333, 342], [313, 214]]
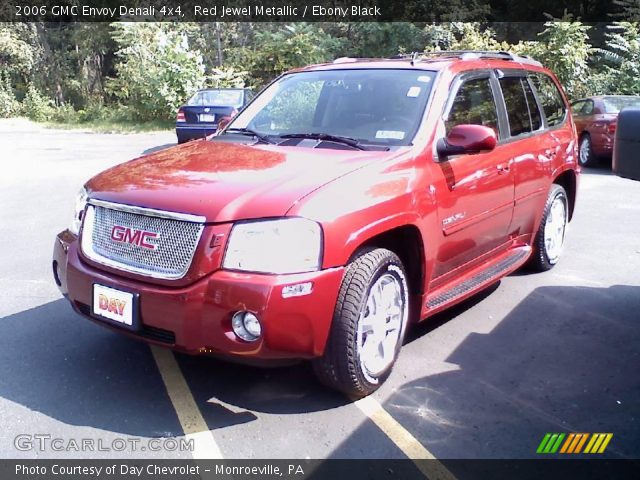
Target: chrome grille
[[175, 244]]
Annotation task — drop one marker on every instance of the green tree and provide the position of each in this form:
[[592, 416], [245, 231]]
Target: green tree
[[376, 39], [565, 48], [156, 68], [227, 77], [621, 72], [462, 36], [293, 45]]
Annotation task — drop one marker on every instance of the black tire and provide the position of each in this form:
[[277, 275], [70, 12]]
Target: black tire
[[541, 260], [340, 367], [586, 157]]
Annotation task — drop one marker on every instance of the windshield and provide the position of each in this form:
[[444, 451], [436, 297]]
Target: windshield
[[217, 98], [372, 106], [615, 104]]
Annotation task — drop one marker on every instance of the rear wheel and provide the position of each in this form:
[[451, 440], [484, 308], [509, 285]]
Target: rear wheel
[[586, 156], [368, 326], [553, 226]]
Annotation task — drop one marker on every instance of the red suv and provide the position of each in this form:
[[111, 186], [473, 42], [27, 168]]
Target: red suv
[[346, 202]]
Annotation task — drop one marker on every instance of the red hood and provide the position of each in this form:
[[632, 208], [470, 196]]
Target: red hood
[[223, 181]]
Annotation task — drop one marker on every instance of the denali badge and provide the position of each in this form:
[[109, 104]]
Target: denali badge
[[136, 237]]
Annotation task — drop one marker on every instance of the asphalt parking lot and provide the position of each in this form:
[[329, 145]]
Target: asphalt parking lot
[[552, 352]]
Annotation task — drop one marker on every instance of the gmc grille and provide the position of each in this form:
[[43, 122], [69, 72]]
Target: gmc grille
[[175, 239]]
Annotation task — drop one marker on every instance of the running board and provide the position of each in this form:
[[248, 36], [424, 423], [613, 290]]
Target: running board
[[484, 277]]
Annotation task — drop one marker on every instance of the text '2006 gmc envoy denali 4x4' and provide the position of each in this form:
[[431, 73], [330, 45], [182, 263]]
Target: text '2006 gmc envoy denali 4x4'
[[346, 202]]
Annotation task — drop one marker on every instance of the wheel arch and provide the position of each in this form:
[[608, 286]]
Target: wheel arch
[[568, 180], [405, 241]]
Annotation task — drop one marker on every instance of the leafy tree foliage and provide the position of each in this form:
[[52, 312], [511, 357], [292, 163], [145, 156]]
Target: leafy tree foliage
[[156, 69], [294, 45], [144, 71], [621, 73], [564, 47]]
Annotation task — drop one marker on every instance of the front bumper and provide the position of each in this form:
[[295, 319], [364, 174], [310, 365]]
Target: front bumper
[[196, 319]]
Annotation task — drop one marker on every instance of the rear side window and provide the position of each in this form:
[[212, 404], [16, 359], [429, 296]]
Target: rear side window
[[534, 111], [522, 109], [551, 99], [473, 104], [577, 107]]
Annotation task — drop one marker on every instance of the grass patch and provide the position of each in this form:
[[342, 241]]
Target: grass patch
[[110, 125], [100, 118]]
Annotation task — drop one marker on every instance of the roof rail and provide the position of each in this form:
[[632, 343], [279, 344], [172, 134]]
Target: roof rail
[[471, 55], [344, 60], [353, 60]]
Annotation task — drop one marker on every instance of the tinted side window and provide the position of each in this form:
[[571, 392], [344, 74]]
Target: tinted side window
[[534, 110], [517, 107], [552, 104], [577, 107], [473, 104], [588, 108]]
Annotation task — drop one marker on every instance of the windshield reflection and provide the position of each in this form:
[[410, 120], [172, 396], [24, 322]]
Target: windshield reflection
[[367, 106]]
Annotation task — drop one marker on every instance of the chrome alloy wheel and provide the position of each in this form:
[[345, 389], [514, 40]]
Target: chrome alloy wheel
[[554, 228], [380, 325], [585, 146]]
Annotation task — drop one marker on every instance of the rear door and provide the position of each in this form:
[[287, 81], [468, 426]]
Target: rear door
[[540, 150]]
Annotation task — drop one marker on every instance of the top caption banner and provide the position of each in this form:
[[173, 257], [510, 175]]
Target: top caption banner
[[316, 11]]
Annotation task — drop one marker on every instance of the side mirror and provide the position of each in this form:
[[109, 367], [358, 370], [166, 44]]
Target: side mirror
[[465, 139]]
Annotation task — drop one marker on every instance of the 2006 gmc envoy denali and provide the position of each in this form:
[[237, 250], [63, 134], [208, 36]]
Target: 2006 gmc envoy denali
[[346, 202]]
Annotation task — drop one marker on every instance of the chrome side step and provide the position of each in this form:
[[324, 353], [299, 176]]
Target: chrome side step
[[483, 277]]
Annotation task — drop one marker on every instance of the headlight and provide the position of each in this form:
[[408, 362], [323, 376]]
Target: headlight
[[81, 203], [288, 245]]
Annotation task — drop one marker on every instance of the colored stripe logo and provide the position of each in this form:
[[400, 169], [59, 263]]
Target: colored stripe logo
[[574, 443]]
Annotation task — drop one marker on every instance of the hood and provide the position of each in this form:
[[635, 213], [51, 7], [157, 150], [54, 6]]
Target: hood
[[224, 181]]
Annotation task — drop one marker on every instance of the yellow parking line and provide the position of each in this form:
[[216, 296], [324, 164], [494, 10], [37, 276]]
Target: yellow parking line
[[193, 424], [410, 446]]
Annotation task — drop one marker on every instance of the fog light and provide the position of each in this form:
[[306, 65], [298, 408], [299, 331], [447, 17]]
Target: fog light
[[246, 326]]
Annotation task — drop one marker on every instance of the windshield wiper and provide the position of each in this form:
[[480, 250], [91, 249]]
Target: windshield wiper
[[253, 133], [352, 142]]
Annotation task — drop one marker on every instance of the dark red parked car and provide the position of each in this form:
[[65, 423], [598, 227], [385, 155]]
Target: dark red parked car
[[596, 119], [345, 203]]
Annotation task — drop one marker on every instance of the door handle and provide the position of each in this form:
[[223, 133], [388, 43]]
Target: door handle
[[503, 168], [550, 152]]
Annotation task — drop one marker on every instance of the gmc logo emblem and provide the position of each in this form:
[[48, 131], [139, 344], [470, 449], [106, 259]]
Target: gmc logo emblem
[[135, 237]]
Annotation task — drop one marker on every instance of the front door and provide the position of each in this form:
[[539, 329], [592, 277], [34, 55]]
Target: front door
[[474, 192]]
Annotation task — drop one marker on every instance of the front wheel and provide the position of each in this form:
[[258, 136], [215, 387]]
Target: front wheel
[[553, 226], [368, 326]]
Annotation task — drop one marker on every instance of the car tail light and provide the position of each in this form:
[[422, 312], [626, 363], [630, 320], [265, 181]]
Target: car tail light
[[180, 116], [611, 128]]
